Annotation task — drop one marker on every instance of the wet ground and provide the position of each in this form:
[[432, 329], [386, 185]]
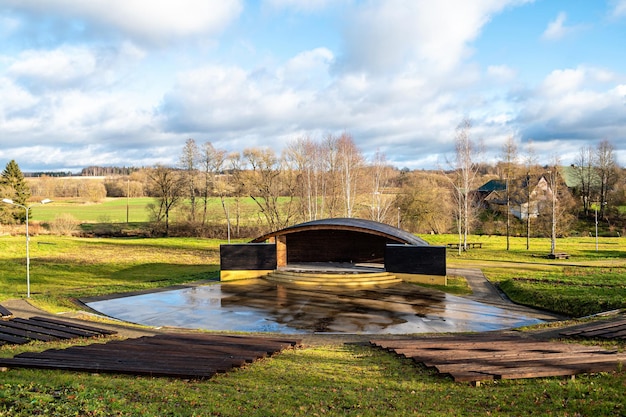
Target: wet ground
[[263, 306]]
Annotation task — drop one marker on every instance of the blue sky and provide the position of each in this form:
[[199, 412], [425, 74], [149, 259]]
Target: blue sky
[[127, 82]]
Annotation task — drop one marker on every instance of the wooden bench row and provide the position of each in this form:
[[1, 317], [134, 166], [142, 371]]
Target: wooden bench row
[[180, 356], [469, 245], [20, 331], [559, 255], [485, 357]]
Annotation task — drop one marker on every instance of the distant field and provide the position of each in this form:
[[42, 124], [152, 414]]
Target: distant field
[[113, 210]]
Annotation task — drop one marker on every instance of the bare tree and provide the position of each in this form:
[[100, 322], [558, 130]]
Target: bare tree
[[530, 162], [584, 171], [379, 174], [421, 212], [465, 171], [607, 171], [166, 185], [188, 163], [330, 177], [350, 165], [268, 180], [212, 163], [509, 162], [304, 155]]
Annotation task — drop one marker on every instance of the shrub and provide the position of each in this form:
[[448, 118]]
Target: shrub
[[64, 225]]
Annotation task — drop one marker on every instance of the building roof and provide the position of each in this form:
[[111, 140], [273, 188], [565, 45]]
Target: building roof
[[493, 185], [350, 224]]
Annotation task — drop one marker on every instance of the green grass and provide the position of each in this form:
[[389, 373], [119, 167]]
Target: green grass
[[113, 210], [334, 379], [67, 268], [589, 282]]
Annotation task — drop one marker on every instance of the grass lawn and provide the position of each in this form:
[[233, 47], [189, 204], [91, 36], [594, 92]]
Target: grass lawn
[[331, 379], [114, 210]]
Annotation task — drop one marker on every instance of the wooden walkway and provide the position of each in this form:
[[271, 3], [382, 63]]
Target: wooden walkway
[[182, 356], [483, 357], [606, 329], [19, 331]]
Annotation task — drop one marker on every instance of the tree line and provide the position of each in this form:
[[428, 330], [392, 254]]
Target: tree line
[[330, 177]]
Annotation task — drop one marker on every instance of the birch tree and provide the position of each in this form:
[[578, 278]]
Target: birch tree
[[211, 163], [465, 171], [509, 162], [350, 165], [304, 155], [188, 163]]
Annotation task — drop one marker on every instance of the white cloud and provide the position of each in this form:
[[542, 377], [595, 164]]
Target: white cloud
[[575, 104], [14, 98], [501, 73], [556, 28], [301, 5], [432, 36], [58, 67], [619, 8], [560, 82], [155, 21]]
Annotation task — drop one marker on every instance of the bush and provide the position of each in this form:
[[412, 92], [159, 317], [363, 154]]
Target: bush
[[64, 225]]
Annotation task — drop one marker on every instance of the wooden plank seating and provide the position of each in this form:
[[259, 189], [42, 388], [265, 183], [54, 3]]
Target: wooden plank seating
[[196, 356], [475, 358], [4, 312], [605, 329], [20, 331]]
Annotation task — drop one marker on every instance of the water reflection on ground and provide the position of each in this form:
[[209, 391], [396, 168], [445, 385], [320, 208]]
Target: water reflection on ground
[[262, 306]]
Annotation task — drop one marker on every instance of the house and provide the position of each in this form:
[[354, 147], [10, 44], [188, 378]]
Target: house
[[527, 196]]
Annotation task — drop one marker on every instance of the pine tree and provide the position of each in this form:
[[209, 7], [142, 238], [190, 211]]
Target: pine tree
[[14, 186]]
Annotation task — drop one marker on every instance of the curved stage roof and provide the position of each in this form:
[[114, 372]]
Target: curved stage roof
[[349, 224]]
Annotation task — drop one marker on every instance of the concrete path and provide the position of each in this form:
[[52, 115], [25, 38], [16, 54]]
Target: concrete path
[[485, 292]]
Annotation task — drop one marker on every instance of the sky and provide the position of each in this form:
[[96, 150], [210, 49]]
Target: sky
[[127, 82]]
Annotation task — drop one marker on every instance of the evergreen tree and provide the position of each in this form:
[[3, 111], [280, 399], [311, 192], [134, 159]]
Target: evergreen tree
[[13, 186]]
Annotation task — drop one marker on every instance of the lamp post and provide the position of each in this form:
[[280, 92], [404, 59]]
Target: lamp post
[[27, 208]]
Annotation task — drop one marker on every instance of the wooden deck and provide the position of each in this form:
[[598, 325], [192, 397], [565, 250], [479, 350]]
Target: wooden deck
[[606, 329], [485, 357], [4, 312], [19, 331], [182, 355]]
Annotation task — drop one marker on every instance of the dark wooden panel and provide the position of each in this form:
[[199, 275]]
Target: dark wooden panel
[[335, 246], [20, 331], [424, 260], [486, 357], [248, 256], [183, 356], [4, 312]]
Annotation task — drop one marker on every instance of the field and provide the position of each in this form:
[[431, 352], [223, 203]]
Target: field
[[114, 210], [330, 378]]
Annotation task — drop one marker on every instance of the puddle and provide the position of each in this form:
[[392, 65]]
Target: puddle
[[262, 306]]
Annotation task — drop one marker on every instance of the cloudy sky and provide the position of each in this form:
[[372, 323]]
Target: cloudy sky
[[126, 82]]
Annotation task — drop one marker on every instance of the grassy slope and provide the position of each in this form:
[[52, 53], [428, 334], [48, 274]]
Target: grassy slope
[[325, 380]]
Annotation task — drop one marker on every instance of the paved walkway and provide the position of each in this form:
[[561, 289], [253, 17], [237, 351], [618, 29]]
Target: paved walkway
[[485, 292]]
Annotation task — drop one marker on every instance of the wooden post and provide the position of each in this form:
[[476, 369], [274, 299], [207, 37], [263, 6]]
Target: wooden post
[[281, 251]]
